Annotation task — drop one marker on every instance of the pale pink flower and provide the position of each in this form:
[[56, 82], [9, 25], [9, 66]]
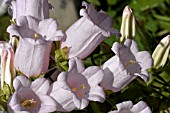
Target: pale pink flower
[[125, 66], [74, 89], [31, 97], [88, 32], [35, 41], [128, 107]]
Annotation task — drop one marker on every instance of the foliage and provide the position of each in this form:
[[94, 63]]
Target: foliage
[[153, 23]]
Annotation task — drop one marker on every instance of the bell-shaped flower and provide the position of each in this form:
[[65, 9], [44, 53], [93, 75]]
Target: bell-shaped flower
[[128, 25], [7, 64], [88, 32], [128, 107], [36, 8], [74, 89], [35, 41], [31, 97], [161, 53], [125, 66]]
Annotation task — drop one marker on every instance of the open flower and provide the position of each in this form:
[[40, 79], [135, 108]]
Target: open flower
[[74, 89], [35, 41], [128, 107], [88, 32], [31, 97], [125, 66], [7, 64], [36, 8]]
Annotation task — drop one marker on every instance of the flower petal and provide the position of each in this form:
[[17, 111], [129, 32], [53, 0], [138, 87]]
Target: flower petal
[[80, 103], [132, 45], [121, 80], [94, 74], [28, 22], [79, 64], [145, 60], [40, 85], [126, 105], [61, 80], [38, 9], [97, 94], [141, 107], [14, 103], [20, 81], [47, 104], [62, 97], [99, 18]]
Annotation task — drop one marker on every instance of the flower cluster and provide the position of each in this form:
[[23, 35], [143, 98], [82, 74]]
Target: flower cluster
[[73, 88]]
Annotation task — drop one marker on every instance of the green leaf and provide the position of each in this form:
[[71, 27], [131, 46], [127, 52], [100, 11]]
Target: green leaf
[[6, 92], [95, 2], [95, 107], [111, 2], [143, 5], [3, 106]]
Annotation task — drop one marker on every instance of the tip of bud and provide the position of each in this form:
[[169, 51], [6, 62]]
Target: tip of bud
[[127, 9], [167, 38]]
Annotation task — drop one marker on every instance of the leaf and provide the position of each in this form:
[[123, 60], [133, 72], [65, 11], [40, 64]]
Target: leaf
[[143, 5], [95, 2], [111, 2]]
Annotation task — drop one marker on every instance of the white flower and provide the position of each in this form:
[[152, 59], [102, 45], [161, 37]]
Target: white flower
[[88, 32], [128, 107], [74, 89], [125, 66], [31, 97], [35, 42]]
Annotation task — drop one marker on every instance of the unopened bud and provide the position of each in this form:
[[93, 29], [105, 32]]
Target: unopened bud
[[128, 25], [161, 52], [7, 65]]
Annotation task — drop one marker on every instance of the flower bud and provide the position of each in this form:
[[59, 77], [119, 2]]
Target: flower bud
[[7, 65], [128, 25], [161, 52]]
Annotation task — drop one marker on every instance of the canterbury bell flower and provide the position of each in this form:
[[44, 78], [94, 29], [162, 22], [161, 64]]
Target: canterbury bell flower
[[7, 64], [88, 32], [36, 8], [128, 25], [31, 97], [34, 46], [161, 53], [75, 88], [125, 66], [128, 107]]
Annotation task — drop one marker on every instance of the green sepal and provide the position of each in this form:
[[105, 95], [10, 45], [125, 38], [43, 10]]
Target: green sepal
[[61, 59], [36, 77], [5, 93], [16, 40], [3, 106]]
